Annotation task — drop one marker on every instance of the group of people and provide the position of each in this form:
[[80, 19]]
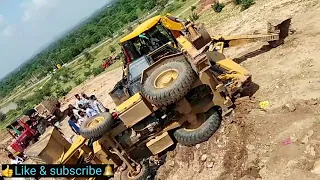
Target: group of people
[[85, 107]]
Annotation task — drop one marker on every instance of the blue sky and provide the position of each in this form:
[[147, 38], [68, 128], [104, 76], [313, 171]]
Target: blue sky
[[28, 25]]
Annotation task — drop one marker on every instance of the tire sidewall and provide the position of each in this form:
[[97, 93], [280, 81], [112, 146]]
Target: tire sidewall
[[175, 91], [202, 133], [173, 65], [99, 129]]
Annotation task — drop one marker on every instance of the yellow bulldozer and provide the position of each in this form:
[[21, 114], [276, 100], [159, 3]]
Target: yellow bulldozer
[[176, 86]]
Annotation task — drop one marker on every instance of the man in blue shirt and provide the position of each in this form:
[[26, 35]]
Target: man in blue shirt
[[72, 123]]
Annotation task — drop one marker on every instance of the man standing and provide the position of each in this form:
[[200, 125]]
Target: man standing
[[78, 101], [73, 110], [15, 160], [82, 118], [90, 111], [97, 105], [73, 124], [85, 100]]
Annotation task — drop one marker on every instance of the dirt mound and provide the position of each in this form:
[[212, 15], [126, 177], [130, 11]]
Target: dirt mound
[[281, 141], [225, 152]]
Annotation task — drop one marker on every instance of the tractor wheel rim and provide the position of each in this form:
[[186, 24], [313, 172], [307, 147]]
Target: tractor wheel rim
[[166, 78], [95, 121]]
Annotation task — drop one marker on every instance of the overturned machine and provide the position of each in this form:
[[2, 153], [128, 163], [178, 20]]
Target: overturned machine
[[176, 86]]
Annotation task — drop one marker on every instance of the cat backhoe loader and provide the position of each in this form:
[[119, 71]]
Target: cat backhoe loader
[[177, 84]]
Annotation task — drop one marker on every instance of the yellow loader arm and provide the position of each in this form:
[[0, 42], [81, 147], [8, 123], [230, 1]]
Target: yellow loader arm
[[172, 23], [275, 36]]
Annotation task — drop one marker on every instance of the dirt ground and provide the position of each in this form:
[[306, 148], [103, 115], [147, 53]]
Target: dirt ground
[[99, 86], [283, 140]]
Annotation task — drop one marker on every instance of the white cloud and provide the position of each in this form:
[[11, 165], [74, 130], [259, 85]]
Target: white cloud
[[8, 31], [36, 9]]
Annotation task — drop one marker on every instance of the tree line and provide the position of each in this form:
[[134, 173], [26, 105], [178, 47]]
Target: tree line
[[103, 25]]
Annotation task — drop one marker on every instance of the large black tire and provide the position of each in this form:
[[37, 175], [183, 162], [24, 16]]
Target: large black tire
[[99, 129], [176, 90], [191, 137], [143, 175]]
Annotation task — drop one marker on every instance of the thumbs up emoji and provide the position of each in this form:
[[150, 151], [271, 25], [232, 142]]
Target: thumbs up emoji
[[7, 172]]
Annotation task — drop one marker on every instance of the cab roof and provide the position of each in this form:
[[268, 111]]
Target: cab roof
[[142, 28]]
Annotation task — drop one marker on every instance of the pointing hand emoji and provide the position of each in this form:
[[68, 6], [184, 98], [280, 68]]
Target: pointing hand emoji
[[7, 172]]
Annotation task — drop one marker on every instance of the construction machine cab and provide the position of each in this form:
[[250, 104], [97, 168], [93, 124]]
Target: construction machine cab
[[146, 38], [149, 42]]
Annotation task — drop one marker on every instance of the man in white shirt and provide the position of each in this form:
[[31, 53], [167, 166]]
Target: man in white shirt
[[15, 160], [78, 101], [85, 100], [74, 111], [90, 111], [82, 118], [97, 105]]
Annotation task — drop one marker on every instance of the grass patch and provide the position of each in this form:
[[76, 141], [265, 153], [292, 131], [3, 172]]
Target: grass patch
[[172, 7], [245, 4], [217, 7], [194, 16], [185, 10]]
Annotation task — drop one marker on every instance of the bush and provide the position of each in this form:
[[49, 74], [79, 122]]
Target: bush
[[58, 86], [87, 74], [65, 80], [193, 8], [97, 71], [68, 89], [130, 28], [237, 2], [246, 4], [217, 7], [2, 116], [61, 92], [78, 81], [194, 16], [87, 55], [87, 65], [172, 7], [112, 49]]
